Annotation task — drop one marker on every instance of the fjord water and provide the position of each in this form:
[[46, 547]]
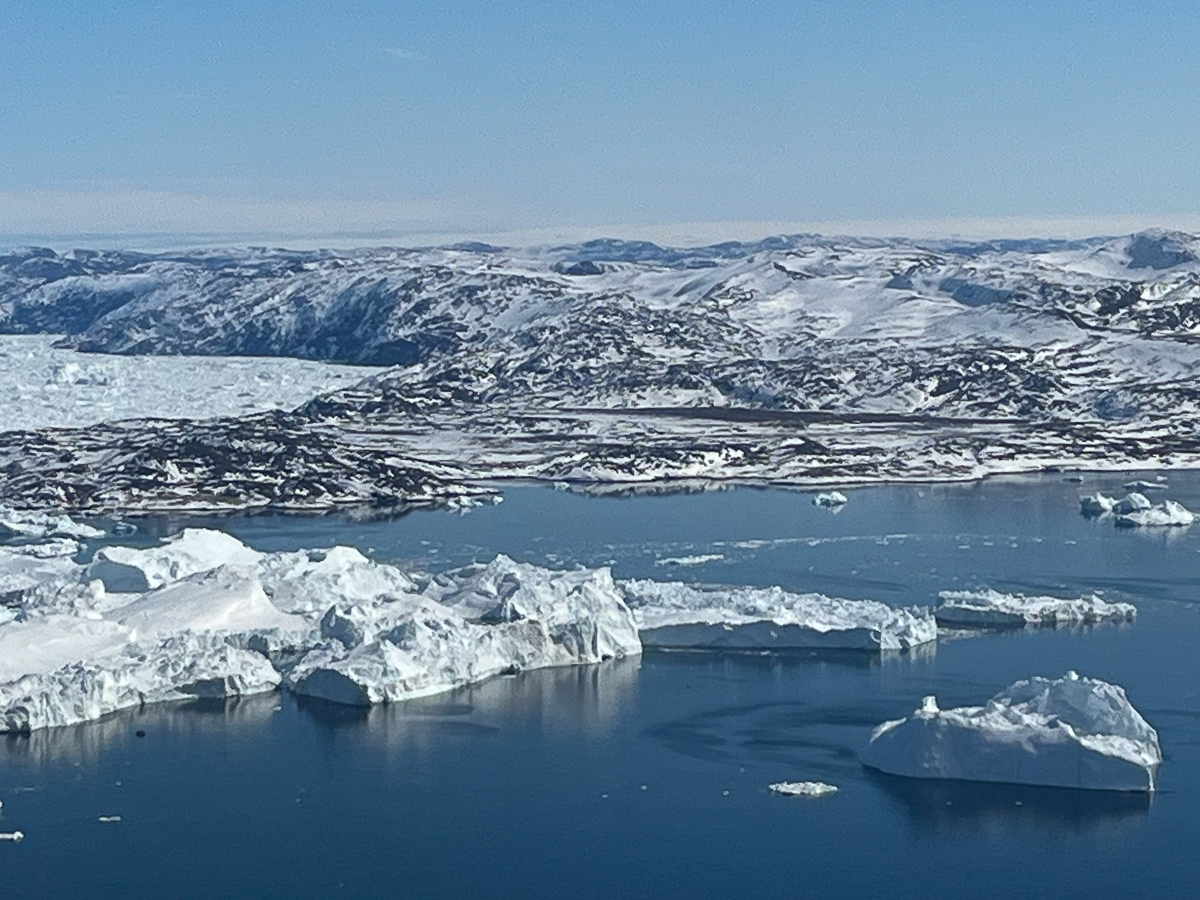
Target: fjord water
[[648, 778]]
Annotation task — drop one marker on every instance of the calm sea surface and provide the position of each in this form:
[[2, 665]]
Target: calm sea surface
[[648, 778]]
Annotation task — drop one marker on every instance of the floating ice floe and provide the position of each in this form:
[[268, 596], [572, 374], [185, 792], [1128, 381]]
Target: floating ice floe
[[803, 788], [1136, 510], [1071, 732], [1144, 486], [992, 609], [41, 525], [1167, 513], [676, 615], [830, 499]]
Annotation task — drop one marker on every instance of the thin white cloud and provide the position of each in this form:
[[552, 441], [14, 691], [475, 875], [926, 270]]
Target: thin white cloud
[[407, 55], [133, 211]]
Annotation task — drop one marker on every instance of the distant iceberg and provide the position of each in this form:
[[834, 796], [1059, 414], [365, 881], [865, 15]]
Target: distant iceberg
[[803, 788], [1070, 732], [830, 499], [992, 609], [1167, 513], [1136, 510], [677, 615]]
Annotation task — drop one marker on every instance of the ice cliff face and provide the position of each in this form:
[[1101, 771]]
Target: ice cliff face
[[1069, 732], [768, 360], [674, 615]]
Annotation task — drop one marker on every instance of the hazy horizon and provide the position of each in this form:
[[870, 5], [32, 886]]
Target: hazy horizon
[[385, 122]]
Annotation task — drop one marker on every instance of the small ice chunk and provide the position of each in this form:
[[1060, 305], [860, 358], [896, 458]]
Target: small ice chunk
[[992, 609], [1096, 504], [830, 499], [803, 788], [1144, 486], [1131, 503], [1069, 732]]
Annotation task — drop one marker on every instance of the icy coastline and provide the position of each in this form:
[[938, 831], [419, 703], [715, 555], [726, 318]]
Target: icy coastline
[[1071, 732]]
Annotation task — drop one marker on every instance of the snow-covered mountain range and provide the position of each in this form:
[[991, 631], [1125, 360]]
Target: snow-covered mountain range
[[802, 359]]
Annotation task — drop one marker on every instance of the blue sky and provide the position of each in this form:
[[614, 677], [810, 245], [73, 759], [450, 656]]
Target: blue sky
[[370, 117]]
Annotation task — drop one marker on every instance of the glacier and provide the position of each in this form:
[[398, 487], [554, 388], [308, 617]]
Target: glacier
[[993, 609], [1072, 732]]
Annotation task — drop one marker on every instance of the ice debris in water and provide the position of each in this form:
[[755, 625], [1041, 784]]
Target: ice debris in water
[[677, 615], [990, 609], [1070, 732], [803, 788], [39, 525], [1136, 510], [1167, 513], [1144, 486], [830, 499]]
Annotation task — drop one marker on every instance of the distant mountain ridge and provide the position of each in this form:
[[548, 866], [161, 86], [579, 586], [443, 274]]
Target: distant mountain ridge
[[799, 358]]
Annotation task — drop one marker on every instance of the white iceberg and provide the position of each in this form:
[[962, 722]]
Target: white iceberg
[[992, 609], [310, 581], [1144, 486], [191, 551], [504, 618], [803, 788], [830, 499], [1070, 732], [40, 525], [1096, 504], [676, 615], [179, 667], [1167, 513]]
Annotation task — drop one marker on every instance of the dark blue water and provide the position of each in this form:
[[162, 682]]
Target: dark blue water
[[648, 778]]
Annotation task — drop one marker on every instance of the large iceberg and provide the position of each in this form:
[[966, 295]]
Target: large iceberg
[[506, 617], [676, 615], [992, 609], [1069, 732], [205, 615]]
